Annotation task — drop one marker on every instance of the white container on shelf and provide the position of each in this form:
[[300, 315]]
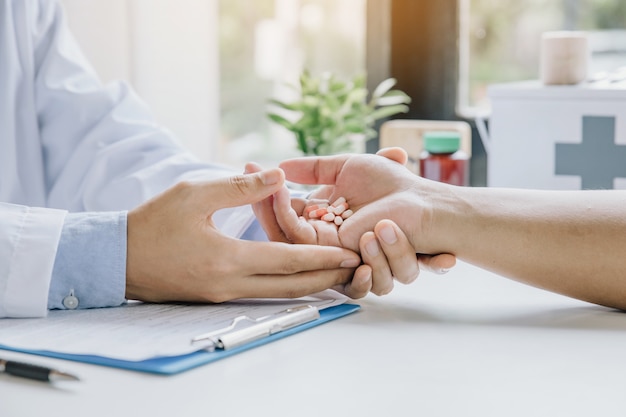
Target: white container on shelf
[[557, 137]]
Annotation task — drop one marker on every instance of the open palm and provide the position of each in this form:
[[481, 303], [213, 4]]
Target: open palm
[[376, 188]]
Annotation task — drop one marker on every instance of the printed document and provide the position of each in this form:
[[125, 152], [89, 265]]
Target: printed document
[[139, 331]]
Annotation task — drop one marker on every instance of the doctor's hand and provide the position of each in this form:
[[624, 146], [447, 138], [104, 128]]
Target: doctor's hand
[[175, 253]]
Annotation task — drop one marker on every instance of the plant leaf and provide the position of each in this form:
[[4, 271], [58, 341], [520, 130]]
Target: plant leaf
[[354, 126], [329, 110], [383, 87], [302, 145], [286, 106], [393, 97], [276, 118], [383, 112], [359, 81], [370, 133]]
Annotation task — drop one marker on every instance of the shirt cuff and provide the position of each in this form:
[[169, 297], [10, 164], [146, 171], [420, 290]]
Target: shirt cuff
[[28, 239], [90, 266]]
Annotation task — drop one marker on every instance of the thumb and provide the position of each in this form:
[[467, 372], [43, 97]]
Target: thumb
[[395, 154], [314, 170], [239, 190]]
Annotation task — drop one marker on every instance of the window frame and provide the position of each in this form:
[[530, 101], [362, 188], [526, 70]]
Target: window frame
[[417, 42]]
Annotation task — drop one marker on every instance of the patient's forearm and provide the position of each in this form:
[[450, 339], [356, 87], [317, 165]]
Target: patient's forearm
[[571, 242]]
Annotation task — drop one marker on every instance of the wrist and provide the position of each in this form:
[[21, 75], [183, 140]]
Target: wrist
[[442, 211], [135, 288]]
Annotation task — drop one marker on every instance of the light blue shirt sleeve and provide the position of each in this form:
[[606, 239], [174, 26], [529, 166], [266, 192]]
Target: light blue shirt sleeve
[[90, 262]]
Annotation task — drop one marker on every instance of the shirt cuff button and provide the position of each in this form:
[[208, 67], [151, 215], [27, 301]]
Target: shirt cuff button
[[70, 302]]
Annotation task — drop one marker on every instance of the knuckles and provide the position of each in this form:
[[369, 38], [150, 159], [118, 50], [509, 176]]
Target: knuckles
[[239, 185]]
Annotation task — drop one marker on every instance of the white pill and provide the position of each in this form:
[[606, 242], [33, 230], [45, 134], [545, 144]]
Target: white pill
[[340, 209], [338, 220], [347, 214], [339, 202], [329, 217]]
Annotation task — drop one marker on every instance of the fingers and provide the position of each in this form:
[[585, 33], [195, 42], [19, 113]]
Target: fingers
[[284, 270], [395, 154], [399, 253], [398, 250], [295, 229], [282, 258], [279, 219], [291, 286], [323, 193], [239, 190], [324, 170], [314, 170], [326, 232], [382, 278], [264, 211], [360, 285], [439, 264], [390, 255]]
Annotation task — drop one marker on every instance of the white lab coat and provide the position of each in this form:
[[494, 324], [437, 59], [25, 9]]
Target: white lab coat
[[68, 143]]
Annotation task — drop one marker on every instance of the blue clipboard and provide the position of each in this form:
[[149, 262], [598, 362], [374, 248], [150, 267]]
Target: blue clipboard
[[175, 364]]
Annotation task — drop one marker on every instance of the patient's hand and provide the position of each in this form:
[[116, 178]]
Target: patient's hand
[[282, 217], [283, 220], [377, 190]]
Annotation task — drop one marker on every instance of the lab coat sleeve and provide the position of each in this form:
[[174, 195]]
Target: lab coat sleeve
[[102, 152], [28, 237], [103, 148], [90, 264]]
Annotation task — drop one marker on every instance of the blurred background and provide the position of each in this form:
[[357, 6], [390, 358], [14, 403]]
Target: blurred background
[[208, 67]]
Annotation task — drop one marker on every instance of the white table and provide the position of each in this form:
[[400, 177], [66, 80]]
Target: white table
[[465, 344]]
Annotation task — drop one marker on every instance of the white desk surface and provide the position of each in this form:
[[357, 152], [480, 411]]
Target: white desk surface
[[465, 344]]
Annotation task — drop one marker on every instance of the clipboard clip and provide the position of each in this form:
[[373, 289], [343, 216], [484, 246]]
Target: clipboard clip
[[244, 329]]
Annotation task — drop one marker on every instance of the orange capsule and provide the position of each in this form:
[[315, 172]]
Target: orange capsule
[[316, 214], [315, 207]]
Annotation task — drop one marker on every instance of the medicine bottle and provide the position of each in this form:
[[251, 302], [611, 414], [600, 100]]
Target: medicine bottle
[[443, 160]]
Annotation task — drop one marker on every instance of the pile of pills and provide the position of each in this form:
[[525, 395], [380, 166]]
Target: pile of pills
[[332, 213]]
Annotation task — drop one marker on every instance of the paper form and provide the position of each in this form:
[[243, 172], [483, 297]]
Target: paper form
[[139, 331]]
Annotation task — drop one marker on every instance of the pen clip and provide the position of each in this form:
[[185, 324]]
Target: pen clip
[[231, 336]]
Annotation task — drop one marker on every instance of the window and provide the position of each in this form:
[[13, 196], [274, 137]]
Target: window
[[267, 43], [500, 40]]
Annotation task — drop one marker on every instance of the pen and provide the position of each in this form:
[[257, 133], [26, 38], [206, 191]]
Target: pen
[[231, 337], [39, 373]]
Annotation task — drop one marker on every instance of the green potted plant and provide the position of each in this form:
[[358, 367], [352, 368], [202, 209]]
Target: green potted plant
[[330, 114]]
